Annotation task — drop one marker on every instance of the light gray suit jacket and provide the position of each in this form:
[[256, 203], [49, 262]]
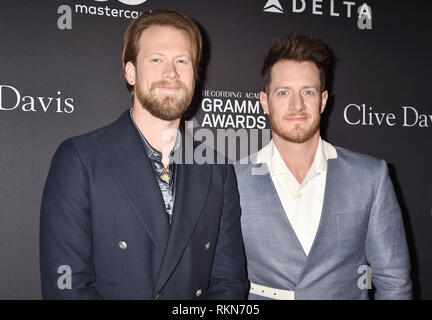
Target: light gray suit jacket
[[360, 225]]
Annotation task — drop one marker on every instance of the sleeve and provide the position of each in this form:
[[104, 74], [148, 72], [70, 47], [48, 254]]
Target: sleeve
[[65, 229], [386, 246], [229, 279]]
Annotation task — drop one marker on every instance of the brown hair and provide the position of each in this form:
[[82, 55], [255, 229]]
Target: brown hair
[[298, 48], [161, 17]]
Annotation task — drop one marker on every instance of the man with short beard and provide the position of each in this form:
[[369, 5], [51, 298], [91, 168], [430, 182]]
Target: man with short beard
[[318, 221], [123, 216]]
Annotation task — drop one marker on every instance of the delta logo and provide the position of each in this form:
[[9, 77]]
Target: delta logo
[[348, 9], [273, 6]]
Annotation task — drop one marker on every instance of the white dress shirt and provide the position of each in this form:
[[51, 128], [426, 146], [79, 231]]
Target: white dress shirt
[[303, 202]]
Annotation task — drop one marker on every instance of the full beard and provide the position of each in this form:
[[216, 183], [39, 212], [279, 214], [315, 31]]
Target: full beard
[[298, 134], [168, 107]]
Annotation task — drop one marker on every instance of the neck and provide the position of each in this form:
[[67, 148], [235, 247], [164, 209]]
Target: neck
[[161, 134], [298, 157]]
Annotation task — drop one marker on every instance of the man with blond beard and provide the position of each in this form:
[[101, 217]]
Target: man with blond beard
[[122, 216]]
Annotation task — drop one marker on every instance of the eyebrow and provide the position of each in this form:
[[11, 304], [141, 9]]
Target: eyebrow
[[163, 55], [304, 87]]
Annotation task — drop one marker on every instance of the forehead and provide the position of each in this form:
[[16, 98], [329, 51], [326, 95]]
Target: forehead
[[164, 39], [294, 73]]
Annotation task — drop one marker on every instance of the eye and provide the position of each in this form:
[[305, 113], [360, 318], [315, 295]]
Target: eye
[[283, 93], [182, 61], [309, 92], [156, 60]]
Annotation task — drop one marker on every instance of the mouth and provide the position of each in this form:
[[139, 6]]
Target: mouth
[[296, 118], [169, 88]]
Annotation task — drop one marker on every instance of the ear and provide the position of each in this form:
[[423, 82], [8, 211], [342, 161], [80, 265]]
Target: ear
[[264, 101], [324, 98], [130, 73]]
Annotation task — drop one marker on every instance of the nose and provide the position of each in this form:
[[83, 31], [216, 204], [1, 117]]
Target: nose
[[170, 71], [297, 102]]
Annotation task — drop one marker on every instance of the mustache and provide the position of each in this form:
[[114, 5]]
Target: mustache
[[166, 83], [290, 115]]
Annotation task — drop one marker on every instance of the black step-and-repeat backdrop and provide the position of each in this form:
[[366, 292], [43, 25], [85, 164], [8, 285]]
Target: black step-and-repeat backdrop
[[60, 76]]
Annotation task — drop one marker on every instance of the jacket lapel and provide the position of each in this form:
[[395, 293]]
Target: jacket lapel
[[192, 188], [267, 181], [327, 229], [125, 156]]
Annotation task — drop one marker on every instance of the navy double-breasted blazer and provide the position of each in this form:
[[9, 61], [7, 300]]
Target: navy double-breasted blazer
[[104, 225]]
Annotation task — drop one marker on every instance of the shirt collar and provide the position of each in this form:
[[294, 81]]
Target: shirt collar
[[329, 150], [270, 155], [152, 153]]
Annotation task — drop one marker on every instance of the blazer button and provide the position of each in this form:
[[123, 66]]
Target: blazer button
[[207, 245], [198, 293], [122, 245]]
